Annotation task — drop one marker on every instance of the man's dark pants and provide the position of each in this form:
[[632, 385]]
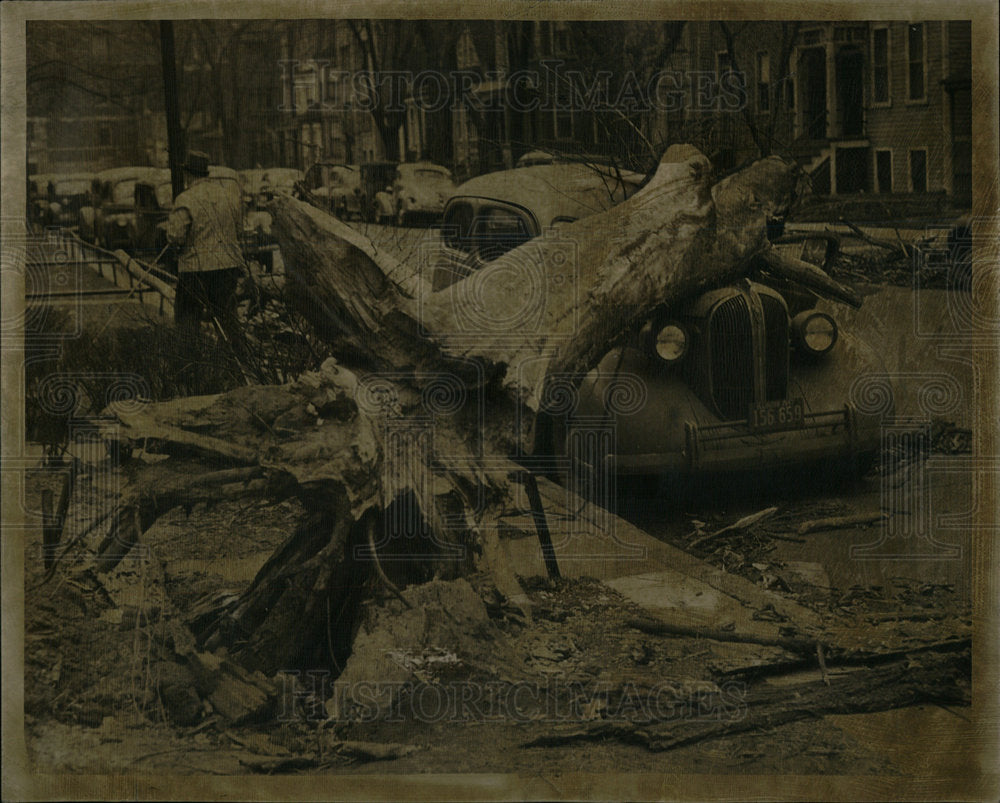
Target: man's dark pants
[[211, 294]]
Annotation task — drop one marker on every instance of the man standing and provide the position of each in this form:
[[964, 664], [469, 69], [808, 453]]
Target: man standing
[[206, 223]]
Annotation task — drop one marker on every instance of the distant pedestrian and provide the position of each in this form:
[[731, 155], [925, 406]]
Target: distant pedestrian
[[206, 224]]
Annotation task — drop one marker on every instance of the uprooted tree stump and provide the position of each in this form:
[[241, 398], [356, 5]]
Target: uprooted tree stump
[[402, 449]]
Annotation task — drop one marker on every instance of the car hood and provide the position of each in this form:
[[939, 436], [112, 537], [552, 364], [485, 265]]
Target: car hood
[[555, 191]]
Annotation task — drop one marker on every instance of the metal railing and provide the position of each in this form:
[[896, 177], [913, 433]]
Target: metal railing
[[132, 280]]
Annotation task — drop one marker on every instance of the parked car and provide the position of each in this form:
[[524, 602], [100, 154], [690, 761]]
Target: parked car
[[257, 180], [532, 158], [751, 375], [40, 193], [108, 221], [258, 243], [538, 157], [493, 213], [376, 191], [336, 186], [282, 179], [420, 191], [67, 194], [154, 198], [250, 182]]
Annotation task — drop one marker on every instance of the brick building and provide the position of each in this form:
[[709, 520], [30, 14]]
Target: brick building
[[867, 108], [879, 108]]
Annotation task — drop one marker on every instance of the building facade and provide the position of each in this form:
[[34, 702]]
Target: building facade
[[879, 109]]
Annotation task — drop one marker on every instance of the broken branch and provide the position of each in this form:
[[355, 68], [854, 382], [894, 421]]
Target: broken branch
[[811, 277], [839, 522]]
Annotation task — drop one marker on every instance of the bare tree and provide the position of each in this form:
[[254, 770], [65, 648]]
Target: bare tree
[[763, 131]]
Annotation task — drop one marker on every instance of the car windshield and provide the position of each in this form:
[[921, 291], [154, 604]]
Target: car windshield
[[493, 232], [123, 192], [499, 221], [73, 187], [343, 176], [499, 230]]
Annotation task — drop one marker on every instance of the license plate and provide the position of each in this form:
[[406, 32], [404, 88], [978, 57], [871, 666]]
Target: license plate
[[776, 415]]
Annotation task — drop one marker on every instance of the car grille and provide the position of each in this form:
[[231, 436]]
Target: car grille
[[731, 339], [735, 347], [775, 348]]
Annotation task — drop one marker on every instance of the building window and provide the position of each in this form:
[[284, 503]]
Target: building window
[[916, 61], [763, 82], [880, 65], [560, 39], [723, 63], [883, 171], [563, 122], [918, 170]]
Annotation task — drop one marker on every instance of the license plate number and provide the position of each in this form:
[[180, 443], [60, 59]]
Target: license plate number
[[772, 416]]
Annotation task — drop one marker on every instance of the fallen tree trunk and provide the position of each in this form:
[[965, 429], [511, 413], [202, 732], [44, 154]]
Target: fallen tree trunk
[[414, 440], [556, 304]]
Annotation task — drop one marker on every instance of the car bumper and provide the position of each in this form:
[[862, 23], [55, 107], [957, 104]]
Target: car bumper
[[731, 446]]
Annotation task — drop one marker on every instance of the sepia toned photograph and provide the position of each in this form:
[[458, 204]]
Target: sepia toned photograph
[[500, 402]]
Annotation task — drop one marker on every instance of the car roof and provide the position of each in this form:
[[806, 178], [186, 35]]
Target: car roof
[[156, 175], [70, 176], [540, 156], [221, 171], [278, 173], [414, 166], [116, 174], [554, 191], [332, 164]]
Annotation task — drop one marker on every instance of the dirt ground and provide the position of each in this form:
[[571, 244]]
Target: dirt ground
[[97, 680]]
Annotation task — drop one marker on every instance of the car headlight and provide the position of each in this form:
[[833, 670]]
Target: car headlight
[[815, 332], [671, 342]]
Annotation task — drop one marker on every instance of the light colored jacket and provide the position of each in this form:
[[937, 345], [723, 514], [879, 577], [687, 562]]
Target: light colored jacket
[[207, 220]]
